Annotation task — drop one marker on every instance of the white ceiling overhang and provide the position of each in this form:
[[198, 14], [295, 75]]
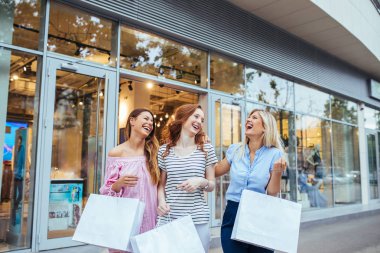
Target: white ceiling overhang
[[309, 22]]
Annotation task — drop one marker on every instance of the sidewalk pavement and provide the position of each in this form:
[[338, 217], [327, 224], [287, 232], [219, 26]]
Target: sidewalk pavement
[[355, 233]]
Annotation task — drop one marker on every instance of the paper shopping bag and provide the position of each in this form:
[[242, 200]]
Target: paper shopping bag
[[268, 222], [110, 221], [178, 236]]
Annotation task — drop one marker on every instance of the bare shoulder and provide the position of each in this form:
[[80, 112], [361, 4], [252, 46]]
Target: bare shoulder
[[116, 151]]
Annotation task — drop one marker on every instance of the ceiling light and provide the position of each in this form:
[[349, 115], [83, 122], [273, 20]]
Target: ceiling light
[[149, 85]]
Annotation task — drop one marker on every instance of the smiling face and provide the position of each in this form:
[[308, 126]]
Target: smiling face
[[142, 125], [254, 125], [193, 125]]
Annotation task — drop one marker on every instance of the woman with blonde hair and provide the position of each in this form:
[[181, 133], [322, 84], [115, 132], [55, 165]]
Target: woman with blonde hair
[[256, 165], [187, 170], [132, 169]]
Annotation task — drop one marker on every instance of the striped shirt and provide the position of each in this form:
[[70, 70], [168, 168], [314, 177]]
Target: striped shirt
[[178, 170]]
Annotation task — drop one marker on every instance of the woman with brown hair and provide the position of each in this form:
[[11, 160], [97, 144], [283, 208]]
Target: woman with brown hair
[[187, 170], [132, 170]]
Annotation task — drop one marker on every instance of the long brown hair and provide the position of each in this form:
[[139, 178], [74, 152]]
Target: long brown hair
[[150, 146], [172, 131]]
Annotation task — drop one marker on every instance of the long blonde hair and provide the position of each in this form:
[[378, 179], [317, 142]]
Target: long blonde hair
[[271, 136], [150, 147]]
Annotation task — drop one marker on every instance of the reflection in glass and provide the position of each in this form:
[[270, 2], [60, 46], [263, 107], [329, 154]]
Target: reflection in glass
[[344, 110], [20, 22], [269, 89], [226, 75], [18, 117], [82, 35], [314, 162], [346, 171], [372, 166], [151, 54], [77, 149], [312, 101], [228, 131], [159, 98], [371, 118]]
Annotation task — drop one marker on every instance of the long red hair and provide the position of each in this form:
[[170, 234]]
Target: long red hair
[[172, 131], [150, 147]]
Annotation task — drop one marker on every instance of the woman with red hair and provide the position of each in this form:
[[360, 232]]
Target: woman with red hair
[[187, 170]]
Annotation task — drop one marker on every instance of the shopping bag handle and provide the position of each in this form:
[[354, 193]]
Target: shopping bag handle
[[169, 219]]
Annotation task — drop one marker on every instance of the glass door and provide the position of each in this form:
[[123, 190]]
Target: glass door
[[73, 148], [373, 163], [226, 127]]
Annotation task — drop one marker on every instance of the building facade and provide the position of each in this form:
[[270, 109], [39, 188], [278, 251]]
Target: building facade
[[71, 71]]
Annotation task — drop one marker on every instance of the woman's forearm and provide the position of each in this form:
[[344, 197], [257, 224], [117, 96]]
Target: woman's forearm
[[274, 184]]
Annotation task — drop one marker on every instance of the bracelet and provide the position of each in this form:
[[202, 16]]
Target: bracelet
[[205, 188]]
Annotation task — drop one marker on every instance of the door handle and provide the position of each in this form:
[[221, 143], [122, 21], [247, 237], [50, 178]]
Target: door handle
[[69, 66]]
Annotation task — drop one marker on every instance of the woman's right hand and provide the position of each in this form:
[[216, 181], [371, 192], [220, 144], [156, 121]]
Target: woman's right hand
[[127, 181], [163, 208]]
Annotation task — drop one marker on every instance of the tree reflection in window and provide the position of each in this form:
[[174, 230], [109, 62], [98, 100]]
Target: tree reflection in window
[[79, 34], [20, 22], [227, 75], [343, 110], [269, 89], [151, 54]]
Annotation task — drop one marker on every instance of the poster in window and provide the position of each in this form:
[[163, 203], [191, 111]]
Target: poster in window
[[65, 204], [19, 176]]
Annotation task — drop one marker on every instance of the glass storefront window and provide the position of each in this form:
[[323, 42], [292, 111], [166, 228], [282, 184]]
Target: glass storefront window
[[160, 99], [155, 55], [20, 23], [226, 75], [269, 89], [82, 35], [18, 122], [77, 148], [315, 183], [312, 101], [346, 171], [344, 110], [371, 118], [373, 144]]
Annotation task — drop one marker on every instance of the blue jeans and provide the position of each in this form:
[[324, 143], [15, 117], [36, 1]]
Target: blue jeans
[[232, 246]]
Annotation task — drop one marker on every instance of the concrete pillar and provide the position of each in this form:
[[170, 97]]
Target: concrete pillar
[[363, 154]]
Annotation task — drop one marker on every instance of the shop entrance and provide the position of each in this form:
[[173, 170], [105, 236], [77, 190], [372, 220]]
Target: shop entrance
[[373, 163], [78, 100], [226, 128]]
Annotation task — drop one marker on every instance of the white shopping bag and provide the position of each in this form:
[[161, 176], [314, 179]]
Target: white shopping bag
[[267, 222], [178, 236], [110, 221]]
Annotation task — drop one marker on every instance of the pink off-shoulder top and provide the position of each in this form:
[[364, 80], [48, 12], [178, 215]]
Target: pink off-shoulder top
[[144, 190]]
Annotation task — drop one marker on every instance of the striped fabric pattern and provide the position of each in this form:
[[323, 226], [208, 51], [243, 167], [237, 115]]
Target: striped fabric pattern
[[180, 169]]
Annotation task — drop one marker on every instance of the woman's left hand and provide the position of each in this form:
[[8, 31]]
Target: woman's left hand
[[279, 165], [191, 184]]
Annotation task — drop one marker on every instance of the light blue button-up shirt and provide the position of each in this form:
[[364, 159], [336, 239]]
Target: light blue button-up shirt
[[246, 175]]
